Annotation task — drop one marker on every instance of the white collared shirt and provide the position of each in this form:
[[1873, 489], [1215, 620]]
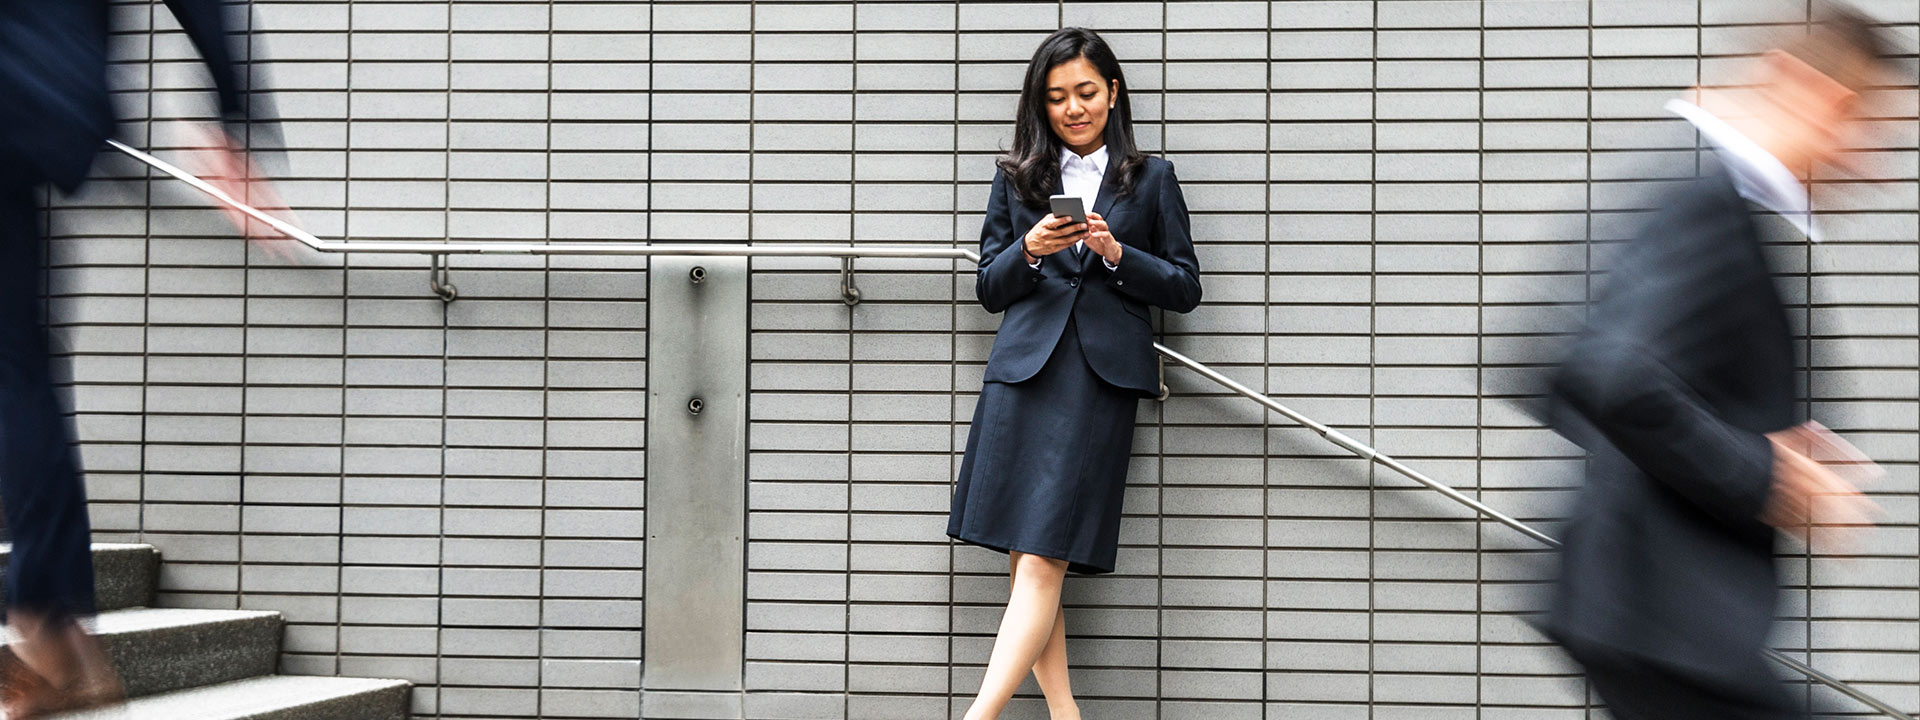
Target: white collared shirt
[[1082, 176], [1757, 175]]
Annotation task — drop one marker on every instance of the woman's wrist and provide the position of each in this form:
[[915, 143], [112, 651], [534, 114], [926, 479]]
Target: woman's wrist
[[1026, 250]]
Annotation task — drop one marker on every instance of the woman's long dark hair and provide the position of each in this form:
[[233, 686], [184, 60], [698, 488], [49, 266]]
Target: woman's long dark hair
[[1033, 165]]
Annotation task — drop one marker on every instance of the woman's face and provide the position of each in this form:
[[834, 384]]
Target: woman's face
[[1078, 99]]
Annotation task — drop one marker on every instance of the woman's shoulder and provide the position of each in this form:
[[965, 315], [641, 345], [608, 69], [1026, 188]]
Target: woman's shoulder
[[1156, 168], [1000, 179], [1154, 172]]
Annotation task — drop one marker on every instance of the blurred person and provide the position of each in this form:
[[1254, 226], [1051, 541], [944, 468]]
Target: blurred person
[[1682, 389], [54, 116], [1046, 461]]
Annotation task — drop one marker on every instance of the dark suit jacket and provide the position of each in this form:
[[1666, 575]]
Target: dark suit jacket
[[1158, 267], [1687, 360], [54, 110]]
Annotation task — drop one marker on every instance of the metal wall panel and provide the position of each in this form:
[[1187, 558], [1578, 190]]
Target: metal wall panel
[[697, 474]]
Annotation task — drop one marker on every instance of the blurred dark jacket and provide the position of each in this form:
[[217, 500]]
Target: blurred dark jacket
[[54, 105], [1686, 362]]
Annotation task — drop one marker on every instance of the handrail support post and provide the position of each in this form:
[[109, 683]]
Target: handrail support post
[[1165, 392]]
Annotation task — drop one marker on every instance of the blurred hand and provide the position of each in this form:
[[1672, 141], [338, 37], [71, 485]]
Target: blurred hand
[[225, 165], [1100, 239], [1051, 235], [1816, 477]]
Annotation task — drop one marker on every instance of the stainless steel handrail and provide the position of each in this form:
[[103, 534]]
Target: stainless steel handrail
[[1336, 437], [1355, 446], [542, 248]]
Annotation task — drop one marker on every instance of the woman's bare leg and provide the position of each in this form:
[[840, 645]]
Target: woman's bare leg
[[1051, 672], [1024, 631]]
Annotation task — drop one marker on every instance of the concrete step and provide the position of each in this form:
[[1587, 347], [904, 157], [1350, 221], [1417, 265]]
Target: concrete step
[[124, 575], [275, 697], [160, 650]]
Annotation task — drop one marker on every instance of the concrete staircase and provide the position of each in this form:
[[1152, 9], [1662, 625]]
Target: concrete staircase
[[183, 664]]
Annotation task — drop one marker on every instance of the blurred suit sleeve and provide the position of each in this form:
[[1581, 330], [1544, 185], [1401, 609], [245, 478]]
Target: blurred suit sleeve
[[206, 24], [1669, 310]]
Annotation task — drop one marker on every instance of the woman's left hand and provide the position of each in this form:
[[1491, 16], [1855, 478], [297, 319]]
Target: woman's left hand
[[1100, 239]]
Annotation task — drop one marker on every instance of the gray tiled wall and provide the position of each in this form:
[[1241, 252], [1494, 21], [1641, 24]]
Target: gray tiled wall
[[1389, 198]]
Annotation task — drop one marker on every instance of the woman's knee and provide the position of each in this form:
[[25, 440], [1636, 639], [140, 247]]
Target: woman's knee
[[1038, 568]]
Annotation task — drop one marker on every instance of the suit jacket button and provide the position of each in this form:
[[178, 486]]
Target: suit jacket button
[[1073, 282], [1119, 282]]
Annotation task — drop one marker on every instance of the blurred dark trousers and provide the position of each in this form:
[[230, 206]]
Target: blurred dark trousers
[[40, 488], [1635, 689]]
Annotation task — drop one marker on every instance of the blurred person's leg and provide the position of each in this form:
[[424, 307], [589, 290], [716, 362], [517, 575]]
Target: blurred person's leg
[[50, 576]]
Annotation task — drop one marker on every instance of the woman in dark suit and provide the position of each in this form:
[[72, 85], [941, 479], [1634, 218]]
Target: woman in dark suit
[[1046, 462]]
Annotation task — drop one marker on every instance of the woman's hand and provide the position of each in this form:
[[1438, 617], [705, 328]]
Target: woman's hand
[[1100, 239], [1051, 235]]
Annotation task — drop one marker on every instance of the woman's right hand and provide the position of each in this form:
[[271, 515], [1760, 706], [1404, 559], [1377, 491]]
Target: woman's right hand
[[1051, 235]]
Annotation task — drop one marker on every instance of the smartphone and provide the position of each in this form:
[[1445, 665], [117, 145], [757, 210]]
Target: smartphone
[[1070, 206]]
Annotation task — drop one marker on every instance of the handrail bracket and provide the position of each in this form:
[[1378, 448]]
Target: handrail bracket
[[849, 292], [440, 277]]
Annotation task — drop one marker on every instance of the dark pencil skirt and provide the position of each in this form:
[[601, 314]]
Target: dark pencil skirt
[[1046, 464]]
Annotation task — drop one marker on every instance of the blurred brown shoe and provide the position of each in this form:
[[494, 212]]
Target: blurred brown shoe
[[97, 683], [24, 694], [91, 683]]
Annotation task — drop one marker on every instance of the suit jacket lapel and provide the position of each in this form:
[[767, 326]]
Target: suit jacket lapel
[[1109, 190], [1087, 258], [1109, 186], [1769, 228]]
